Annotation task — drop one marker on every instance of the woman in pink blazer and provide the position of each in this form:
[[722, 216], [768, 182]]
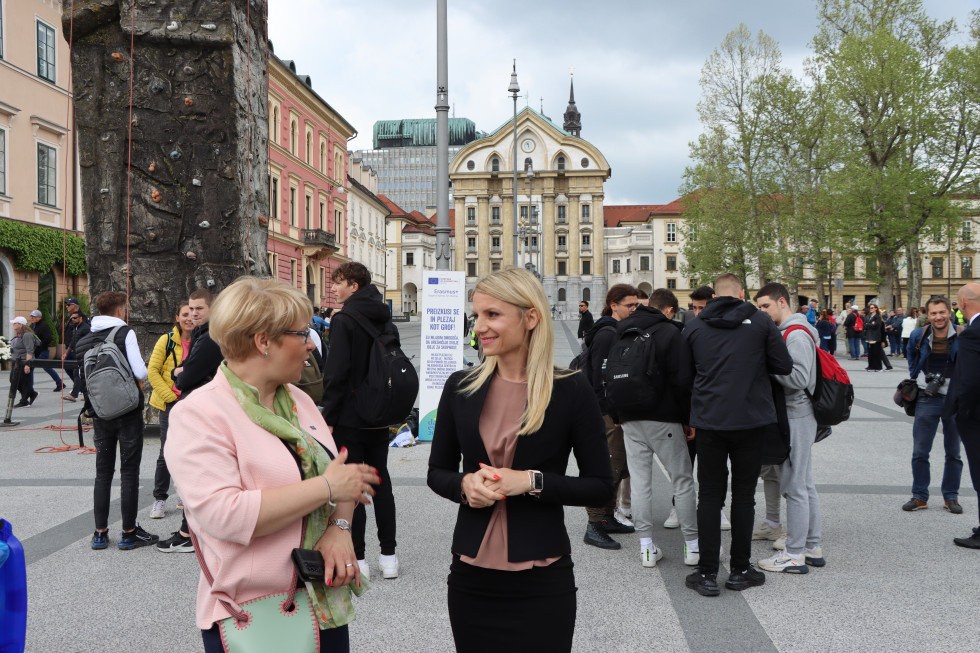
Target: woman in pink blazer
[[258, 470]]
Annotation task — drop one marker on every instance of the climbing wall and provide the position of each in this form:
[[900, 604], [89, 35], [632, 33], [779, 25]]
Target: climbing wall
[[172, 129]]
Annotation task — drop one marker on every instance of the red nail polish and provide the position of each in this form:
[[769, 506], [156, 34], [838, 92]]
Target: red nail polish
[[328, 582], [503, 497], [496, 478], [343, 450]]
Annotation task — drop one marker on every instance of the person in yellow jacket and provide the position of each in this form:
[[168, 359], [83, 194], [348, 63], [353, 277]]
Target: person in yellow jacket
[[168, 354]]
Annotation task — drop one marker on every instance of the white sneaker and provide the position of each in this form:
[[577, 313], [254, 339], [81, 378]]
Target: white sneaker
[[725, 524], [650, 554], [691, 558], [784, 562], [158, 510], [389, 566], [766, 532], [672, 520], [780, 544], [365, 569], [623, 517]]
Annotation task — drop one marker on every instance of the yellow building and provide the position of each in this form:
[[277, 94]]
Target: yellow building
[[560, 207]]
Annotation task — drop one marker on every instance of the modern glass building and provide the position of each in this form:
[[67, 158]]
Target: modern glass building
[[404, 156]]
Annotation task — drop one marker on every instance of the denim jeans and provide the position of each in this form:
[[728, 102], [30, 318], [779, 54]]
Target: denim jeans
[[854, 347], [894, 345], [45, 354], [928, 412], [127, 432]]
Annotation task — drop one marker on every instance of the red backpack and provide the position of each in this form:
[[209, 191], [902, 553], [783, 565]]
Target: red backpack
[[859, 324], [833, 395]]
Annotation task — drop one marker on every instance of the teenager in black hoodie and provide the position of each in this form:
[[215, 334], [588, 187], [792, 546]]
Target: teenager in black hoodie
[[735, 347], [621, 300]]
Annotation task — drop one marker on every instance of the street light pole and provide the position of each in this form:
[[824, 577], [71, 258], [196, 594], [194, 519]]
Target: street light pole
[[530, 215], [514, 89], [442, 141]]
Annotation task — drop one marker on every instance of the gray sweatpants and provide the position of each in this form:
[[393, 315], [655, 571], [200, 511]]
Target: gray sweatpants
[[771, 486], [643, 439], [802, 502]]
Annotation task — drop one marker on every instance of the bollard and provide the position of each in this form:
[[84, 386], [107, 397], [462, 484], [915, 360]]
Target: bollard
[[13, 592]]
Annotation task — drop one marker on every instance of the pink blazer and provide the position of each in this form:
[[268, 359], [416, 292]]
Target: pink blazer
[[220, 461]]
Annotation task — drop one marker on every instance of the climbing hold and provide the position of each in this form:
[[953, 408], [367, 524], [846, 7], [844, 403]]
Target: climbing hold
[[196, 182], [204, 224], [209, 26], [156, 87], [177, 204], [153, 236], [105, 137], [192, 256], [189, 102], [148, 302], [103, 190], [263, 220], [117, 56], [173, 26], [188, 70], [153, 167], [156, 195], [175, 155]]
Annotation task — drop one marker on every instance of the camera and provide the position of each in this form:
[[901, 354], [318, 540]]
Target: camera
[[934, 381]]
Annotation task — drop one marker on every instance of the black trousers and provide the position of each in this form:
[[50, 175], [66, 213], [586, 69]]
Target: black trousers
[[370, 446], [127, 433], [515, 611], [161, 478], [970, 437], [715, 449]]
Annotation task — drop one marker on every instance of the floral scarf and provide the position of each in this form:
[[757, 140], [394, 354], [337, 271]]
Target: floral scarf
[[332, 605]]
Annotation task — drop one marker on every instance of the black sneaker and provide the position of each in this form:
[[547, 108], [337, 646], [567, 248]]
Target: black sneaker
[[703, 584], [176, 543], [972, 542], [744, 579], [610, 524], [100, 540], [136, 538], [596, 536]]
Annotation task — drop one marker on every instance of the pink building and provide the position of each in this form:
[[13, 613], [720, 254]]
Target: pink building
[[307, 175]]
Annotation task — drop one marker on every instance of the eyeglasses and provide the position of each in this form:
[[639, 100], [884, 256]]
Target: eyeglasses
[[305, 333]]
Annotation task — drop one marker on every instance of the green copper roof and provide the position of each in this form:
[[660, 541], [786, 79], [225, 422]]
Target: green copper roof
[[421, 131]]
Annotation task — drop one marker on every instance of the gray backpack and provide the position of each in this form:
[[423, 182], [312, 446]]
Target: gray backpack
[[109, 382]]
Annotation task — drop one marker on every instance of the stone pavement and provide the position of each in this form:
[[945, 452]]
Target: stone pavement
[[893, 580]]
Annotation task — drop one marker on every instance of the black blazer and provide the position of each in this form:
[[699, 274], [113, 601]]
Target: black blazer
[[535, 526], [964, 387]]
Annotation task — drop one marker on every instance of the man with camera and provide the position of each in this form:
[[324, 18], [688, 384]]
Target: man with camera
[[932, 357]]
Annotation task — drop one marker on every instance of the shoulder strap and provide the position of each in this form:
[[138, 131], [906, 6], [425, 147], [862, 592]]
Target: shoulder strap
[[797, 327], [171, 347], [364, 324]]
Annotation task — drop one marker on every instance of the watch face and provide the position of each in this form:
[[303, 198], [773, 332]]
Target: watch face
[[527, 145]]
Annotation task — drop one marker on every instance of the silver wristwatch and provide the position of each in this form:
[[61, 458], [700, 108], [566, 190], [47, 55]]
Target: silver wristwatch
[[537, 482], [342, 524]]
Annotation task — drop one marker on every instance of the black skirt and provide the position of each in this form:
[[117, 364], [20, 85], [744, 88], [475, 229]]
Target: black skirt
[[513, 611]]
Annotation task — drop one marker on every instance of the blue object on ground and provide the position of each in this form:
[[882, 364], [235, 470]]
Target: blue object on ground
[[13, 592]]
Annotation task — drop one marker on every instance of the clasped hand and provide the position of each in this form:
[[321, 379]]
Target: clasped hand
[[489, 485]]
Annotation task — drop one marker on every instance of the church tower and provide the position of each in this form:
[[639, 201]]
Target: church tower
[[573, 119]]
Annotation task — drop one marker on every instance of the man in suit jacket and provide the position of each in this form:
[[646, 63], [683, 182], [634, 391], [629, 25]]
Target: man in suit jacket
[[965, 393]]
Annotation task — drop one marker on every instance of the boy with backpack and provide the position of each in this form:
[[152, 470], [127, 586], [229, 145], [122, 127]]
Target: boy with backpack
[[112, 370], [803, 543], [648, 382]]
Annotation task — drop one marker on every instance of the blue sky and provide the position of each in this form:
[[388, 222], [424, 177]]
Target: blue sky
[[636, 62]]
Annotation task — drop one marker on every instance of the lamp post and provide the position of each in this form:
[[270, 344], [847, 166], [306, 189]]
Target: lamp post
[[514, 89], [442, 141], [530, 215]]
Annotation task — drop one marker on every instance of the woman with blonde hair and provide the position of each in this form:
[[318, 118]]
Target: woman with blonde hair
[[259, 473], [513, 421], [169, 352]]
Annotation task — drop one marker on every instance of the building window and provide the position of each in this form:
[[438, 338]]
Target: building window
[[409, 258], [274, 207], [692, 232], [966, 267], [309, 148], [585, 212], [471, 215], [471, 244], [586, 241], [292, 137], [615, 267], [45, 52], [470, 165], [292, 272], [629, 261], [848, 268], [587, 294], [671, 232], [644, 263], [47, 175], [561, 294], [937, 267], [562, 269], [672, 263], [561, 213], [471, 269], [870, 267], [584, 162], [495, 215], [534, 214], [494, 164], [495, 244], [3, 152], [527, 164], [323, 158], [292, 207], [562, 243], [495, 266], [523, 215], [586, 267], [309, 214], [561, 163], [671, 284], [966, 232], [322, 208]]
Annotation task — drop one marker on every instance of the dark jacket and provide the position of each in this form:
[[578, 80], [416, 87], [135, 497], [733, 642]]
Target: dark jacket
[[350, 347], [535, 526], [585, 322], [963, 398], [734, 347], [69, 329], [826, 329], [79, 332], [920, 348], [849, 323], [874, 328], [43, 333], [599, 340], [672, 402], [201, 363]]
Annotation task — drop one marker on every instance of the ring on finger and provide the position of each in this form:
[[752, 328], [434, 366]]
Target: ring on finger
[[350, 564]]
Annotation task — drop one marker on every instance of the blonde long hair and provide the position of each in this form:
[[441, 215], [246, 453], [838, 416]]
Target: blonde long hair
[[521, 288]]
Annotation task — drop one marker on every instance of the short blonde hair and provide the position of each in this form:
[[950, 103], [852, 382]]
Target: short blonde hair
[[252, 305]]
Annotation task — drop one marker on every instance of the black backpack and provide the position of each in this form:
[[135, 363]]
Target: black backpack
[[388, 391], [631, 376]]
